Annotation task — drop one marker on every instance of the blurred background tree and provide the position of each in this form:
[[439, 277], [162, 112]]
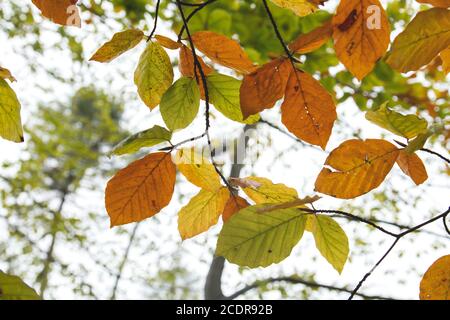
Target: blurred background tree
[[53, 226]]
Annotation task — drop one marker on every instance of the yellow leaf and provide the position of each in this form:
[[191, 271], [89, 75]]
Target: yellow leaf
[[308, 110], [312, 40], [197, 170], [445, 57], [435, 284], [361, 35], [63, 12], [233, 205], [263, 88], [262, 190], [141, 190], [6, 74], [202, 212], [154, 74], [412, 166], [299, 7], [10, 120], [361, 166], [223, 50], [421, 41], [437, 3], [168, 43], [331, 240], [120, 43]]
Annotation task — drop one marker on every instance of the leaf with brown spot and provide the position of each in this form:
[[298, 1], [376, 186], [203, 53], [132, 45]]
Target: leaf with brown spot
[[141, 190], [63, 12], [357, 46], [308, 110], [435, 284], [263, 88], [168, 43], [233, 205], [223, 50], [312, 40], [360, 166], [412, 166]]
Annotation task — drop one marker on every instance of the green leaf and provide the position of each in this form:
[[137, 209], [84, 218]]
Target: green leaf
[[421, 41], [143, 139], [254, 239], [418, 143], [13, 288], [331, 240], [153, 75], [179, 105], [224, 95], [120, 43], [407, 126], [10, 122]]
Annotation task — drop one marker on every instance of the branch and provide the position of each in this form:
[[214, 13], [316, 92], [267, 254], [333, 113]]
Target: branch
[[156, 21], [199, 6]]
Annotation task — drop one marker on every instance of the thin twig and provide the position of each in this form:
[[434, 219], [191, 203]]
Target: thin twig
[[427, 151], [156, 21]]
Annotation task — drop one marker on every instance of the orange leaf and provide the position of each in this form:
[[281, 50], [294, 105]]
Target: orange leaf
[[437, 3], [361, 166], [412, 166], [435, 284], [361, 35], [308, 111], [312, 40], [223, 50], [187, 67], [233, 205], [167, 42], [263, 88], [63, 12], [140, 190]]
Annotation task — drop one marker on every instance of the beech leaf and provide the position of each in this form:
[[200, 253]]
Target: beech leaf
[[10, 120]]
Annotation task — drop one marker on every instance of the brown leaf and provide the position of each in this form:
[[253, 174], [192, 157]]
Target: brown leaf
[[361, 166], [358, 40], [140, 190], [263, 88], [312, 40], [437, 3], [233, 205], [223, 50], [308, 110], [63, 12], [187, 67], [435, 284], [412, 166], [167, 42]]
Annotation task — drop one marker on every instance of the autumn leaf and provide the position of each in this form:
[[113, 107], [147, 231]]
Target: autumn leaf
[[299, 7], [308, 110], [418, 142], [6, 74], [63, 12], [187, 67], [233, 205], [143, 139], [13, 288], [252, 239], [180, 103], [412, 166], [262, 190], [224, 94], [153, 75], [263, 88], [422, 40], [120, 43], [361, 35], [408, 126], [435, 284], [223, 50], [297, 203], [437, 3], [202, 212], [167, 42], [445, 57], [197, 170], [331, 240], [141, 190], [10, 120], [360, 166], [313, 40]]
